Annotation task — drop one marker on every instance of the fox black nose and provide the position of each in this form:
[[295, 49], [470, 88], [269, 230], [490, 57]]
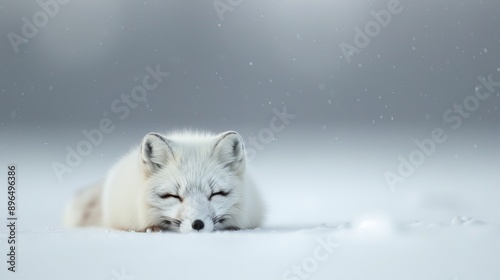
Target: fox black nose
[[198, 225]]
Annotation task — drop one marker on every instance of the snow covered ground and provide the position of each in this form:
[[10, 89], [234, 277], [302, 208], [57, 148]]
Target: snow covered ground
[[331, 213]]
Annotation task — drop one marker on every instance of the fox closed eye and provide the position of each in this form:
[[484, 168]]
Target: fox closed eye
[[219, 193], [168, 195]]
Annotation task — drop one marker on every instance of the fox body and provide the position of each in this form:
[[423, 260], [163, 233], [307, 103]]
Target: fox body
[[181, 182]]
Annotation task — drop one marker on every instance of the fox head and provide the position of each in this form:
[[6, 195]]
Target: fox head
[[193, 182]]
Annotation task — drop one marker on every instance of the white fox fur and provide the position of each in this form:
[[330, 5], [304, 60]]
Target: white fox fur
[[181, 182]]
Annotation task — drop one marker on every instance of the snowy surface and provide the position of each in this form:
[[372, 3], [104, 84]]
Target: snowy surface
[[411, 252], [442, 223]]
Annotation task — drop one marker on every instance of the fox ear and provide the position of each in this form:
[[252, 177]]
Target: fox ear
[[230, 150], [156, 152]]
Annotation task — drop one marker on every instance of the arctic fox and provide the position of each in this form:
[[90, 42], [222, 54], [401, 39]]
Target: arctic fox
[[180, 182]]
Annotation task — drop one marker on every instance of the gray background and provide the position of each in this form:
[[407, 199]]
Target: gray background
[[91, 52]]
